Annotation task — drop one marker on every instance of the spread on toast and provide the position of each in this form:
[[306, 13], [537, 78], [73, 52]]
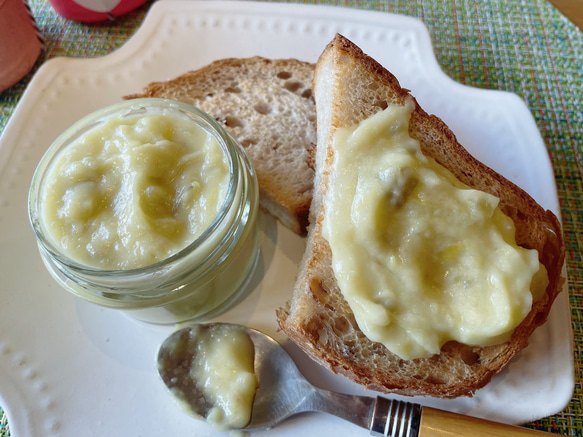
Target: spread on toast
[[421, 258], [349, 87]]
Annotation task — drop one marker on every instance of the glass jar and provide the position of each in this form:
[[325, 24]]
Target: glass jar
[[198, 281]]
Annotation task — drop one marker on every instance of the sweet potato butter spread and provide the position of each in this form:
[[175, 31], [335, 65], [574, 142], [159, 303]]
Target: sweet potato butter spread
[[133, 190], [420, 257], [221, 370], [224, 371]]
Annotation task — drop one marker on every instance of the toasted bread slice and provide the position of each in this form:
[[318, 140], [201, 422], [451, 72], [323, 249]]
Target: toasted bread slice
[[349, 87], [267, 106]]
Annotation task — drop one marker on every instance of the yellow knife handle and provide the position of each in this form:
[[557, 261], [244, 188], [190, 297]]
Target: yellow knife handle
[[394, 418], [438, 423]]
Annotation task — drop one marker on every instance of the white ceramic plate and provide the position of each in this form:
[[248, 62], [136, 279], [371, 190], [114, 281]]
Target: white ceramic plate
[[68, 368]]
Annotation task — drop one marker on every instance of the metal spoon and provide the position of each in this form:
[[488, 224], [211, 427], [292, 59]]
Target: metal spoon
[[283, 392]]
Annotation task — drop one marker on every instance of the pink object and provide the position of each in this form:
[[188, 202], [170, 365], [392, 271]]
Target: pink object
[[20, 44], [93, 10]]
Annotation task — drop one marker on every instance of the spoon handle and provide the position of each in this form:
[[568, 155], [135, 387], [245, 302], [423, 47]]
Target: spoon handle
[[438, 423], [354, 409], [392, 418]]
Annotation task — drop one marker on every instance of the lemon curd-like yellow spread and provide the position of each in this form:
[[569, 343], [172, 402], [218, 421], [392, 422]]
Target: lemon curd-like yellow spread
[[420, 257], [222, 368], [133, 190]]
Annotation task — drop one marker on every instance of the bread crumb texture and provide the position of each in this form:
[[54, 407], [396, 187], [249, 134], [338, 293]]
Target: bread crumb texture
[[268, 107]]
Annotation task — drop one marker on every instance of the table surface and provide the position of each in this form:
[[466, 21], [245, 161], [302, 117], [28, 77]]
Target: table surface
[[573, 9], [527, 47]]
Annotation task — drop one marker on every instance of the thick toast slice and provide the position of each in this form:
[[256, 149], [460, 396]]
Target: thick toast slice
[[268, 107], [349, 87]]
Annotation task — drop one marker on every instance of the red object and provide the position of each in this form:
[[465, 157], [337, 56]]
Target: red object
[[20, 43], [88, 11]]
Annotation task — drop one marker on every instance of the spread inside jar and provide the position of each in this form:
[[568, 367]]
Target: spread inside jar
[[134, 189]]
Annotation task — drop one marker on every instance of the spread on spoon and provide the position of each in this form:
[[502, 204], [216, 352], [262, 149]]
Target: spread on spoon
[[210, 371]]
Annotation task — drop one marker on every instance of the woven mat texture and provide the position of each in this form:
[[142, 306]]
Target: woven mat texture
[[526, 47]]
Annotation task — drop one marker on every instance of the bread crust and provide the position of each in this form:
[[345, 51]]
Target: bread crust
[[350, 86], [267, 106]]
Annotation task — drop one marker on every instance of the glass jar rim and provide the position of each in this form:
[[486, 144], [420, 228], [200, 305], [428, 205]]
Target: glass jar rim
[[129, 108]]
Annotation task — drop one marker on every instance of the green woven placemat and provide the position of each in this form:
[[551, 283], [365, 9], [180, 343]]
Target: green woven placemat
[[525, 47], [4, 429]]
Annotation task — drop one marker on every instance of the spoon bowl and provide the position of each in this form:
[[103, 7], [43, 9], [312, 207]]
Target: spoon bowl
[[283, 392]]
